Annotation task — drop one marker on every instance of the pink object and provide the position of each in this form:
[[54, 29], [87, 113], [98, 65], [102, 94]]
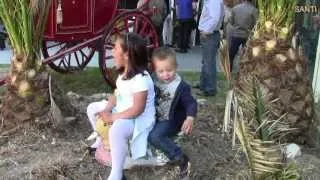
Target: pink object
[[103, 155]]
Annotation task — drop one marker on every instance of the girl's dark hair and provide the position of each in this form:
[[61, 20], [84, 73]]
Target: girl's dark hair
[[136, 47]]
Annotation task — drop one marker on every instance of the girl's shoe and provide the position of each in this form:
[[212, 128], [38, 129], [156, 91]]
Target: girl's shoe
[[91, 150], [92, 136]]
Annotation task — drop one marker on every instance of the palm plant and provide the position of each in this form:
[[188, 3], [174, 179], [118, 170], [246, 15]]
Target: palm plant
[[27, 94], [259, 130], [280, 71], [272, 93]]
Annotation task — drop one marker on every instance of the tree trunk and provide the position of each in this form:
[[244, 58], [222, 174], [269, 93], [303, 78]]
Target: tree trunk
[[27, 97]]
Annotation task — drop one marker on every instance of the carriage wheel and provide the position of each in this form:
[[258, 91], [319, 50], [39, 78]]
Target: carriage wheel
[[129, 21], [69, 63]]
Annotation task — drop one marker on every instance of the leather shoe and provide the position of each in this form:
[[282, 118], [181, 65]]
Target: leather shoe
[[197, 86], [178, 50], [206, 94]]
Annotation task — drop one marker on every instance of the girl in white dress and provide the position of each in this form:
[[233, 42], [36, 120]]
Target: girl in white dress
[[131, 110]]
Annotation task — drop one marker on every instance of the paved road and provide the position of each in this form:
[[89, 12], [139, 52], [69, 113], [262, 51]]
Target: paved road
[[190, 61]]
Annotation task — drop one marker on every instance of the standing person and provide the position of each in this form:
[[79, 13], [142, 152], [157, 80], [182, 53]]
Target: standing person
[[243, 19], [132, 111], [184, 13], [308, 32], [227, 28], [210, 22], [3, 37], [176, 108], [157, 9], [167, 31]]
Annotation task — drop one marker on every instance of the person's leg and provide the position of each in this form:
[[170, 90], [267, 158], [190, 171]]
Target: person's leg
[[188, 27], [2, 41], [184, 34], [119, 134], [233, 49], [160, 138], [208, 77], [159, 31], [92, 109], [2, 44], [180, 35]]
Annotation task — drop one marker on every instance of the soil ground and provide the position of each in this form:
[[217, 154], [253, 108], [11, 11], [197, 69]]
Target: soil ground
[[61, 153], [43, 152]]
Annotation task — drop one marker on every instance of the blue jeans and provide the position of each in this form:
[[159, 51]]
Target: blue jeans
[[161, 137], [208, 77]]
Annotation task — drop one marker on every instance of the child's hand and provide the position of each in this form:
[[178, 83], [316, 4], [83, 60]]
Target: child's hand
[[105, 116], [187, 125]]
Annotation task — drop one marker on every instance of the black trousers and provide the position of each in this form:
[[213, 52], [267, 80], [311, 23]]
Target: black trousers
[[185, 28], [2, 40], [235, 43]]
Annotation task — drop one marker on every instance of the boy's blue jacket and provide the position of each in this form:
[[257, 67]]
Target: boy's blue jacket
[[183, 105]]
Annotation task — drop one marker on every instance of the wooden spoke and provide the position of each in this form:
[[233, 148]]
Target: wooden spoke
[[73, 61]]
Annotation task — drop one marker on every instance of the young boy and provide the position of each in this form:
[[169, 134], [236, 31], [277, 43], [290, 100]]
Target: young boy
[[176, 108]]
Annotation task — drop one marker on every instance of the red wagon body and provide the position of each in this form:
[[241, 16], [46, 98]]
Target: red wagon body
[[82, 19], [88, 26]]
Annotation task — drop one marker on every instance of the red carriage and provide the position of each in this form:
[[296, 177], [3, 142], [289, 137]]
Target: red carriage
[[77, 29]]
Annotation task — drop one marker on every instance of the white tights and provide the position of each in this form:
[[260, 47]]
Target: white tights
[[92, 109], [119, 134]]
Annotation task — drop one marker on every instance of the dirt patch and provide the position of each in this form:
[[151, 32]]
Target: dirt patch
[[47, 153]]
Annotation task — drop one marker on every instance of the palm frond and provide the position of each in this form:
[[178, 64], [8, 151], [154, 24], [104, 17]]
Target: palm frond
[[25, 21], [279, 12], [261, 111], [258, 131], [257, 152], [224, 61]]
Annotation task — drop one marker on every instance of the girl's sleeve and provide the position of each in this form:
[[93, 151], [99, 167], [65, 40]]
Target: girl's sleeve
[[140, 83]]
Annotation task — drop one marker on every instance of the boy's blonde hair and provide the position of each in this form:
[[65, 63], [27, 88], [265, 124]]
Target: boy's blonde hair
[[164, 54]]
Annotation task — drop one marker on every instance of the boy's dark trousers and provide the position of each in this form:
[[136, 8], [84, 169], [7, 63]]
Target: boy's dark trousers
[[161, 137]]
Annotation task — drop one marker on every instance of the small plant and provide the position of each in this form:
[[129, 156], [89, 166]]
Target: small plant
[[260, 131]]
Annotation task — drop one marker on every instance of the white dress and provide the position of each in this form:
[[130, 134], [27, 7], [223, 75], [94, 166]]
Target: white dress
[[144, 123]]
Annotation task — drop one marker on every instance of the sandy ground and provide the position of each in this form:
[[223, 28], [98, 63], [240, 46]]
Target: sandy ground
[[43, 152]]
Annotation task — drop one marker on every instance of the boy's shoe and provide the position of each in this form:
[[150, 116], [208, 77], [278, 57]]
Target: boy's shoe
[[92, 136], [184, 166], [124, 176]]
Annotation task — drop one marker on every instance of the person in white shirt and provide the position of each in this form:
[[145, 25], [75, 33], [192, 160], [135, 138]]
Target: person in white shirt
[[210, 22], [132, 110]]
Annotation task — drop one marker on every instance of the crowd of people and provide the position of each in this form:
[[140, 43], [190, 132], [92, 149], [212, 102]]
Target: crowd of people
[[210, 20]]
